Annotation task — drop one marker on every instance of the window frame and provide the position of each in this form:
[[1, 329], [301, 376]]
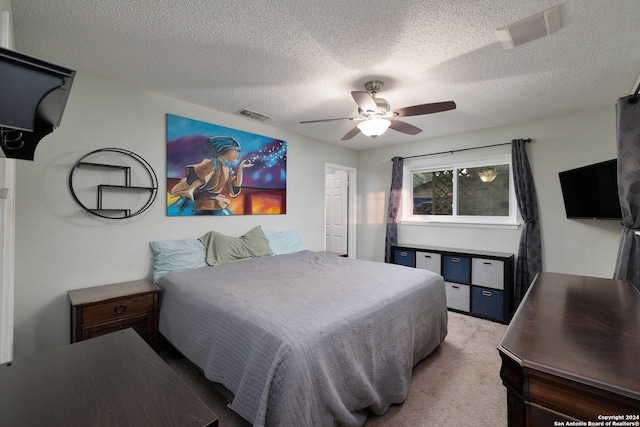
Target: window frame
[[460, 162]]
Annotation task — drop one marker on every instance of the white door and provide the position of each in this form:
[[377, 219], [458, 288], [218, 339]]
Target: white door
[[336, 210]]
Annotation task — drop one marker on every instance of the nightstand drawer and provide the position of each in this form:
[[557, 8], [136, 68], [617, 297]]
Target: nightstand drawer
[[99, 310], [142, 324], [111, 310]]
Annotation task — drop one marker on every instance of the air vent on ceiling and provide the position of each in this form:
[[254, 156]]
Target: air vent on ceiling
[[533, 27], [252, 115]]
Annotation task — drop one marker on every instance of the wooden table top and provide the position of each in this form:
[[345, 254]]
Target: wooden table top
[[112, 380], [88, 296], [584, 329]]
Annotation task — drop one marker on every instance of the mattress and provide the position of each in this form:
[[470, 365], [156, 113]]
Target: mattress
[[305, 339]]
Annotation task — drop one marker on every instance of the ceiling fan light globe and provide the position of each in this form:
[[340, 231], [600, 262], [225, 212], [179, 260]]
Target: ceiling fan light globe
[[374, 126]]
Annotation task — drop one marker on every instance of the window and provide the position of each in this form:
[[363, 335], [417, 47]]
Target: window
[[468, 192]]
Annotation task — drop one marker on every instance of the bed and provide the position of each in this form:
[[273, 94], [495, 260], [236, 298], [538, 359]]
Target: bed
[[305, 338]]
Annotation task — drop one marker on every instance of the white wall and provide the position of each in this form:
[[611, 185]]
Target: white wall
[[586, 247], [60, 247]]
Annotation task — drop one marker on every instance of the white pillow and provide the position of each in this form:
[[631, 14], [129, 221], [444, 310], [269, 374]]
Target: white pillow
[[284, 242], [175, 255]]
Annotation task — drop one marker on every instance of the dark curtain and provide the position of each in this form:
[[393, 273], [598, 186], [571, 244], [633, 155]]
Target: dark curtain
[[529, 261], [628, 135], [394, 206]]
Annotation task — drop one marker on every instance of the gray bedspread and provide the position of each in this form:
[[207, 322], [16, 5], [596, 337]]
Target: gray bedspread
[[306, 339]]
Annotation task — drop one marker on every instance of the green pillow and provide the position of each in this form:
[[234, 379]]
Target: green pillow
[[222, 248]]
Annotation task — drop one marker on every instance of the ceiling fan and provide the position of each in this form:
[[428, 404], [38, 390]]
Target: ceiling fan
[[375, 115]]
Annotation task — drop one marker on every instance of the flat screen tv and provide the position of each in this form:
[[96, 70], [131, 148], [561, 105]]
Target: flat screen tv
[[591, 192]]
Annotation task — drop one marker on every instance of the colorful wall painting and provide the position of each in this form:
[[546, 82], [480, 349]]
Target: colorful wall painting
[[215, 170]]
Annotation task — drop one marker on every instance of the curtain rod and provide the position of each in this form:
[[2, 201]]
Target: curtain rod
[[460, 149]]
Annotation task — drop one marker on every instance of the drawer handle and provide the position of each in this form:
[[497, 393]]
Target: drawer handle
[[486, 263], [455, 286], [120, 309], [427, 256], [486, 293], [403, 254], [455, 259]]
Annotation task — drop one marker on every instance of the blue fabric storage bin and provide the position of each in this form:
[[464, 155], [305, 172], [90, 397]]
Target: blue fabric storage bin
[[456, 268], [404, 257], [486, 302]]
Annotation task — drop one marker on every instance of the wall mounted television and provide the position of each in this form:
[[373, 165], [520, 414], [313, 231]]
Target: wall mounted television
[[591, 192]]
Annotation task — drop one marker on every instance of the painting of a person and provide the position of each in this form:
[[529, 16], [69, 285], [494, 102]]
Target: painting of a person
[[209, 185]]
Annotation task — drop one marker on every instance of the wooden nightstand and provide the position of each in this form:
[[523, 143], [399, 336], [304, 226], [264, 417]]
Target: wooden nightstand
[[103, 309]]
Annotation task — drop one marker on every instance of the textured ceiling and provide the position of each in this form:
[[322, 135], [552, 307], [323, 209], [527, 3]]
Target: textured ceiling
[[296, 60]]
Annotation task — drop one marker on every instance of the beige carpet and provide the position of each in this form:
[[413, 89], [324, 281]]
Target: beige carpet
[[459, 384]]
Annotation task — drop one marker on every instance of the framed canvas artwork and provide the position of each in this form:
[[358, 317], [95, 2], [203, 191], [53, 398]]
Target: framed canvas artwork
[[215, 170]]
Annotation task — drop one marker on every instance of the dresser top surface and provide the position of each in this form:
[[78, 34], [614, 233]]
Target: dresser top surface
[[115, 379], [581, 328]]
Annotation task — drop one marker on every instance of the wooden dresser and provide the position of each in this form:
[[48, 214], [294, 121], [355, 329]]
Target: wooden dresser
[[572, 353], [112, 380], [103, 309]]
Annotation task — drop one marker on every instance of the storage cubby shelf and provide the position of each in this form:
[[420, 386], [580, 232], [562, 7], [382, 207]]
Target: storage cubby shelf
[[478, 283]]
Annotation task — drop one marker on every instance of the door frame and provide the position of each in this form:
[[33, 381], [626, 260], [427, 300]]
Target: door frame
[[351, 206], [7, 218]]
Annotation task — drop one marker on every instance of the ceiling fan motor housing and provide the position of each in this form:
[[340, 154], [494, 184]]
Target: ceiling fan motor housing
[[374, 86]]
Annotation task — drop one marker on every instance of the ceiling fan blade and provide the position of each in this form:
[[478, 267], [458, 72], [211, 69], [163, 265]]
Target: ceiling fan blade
[[404, 127], [329, 120], [417, 110], [364, 100], [353, 132]]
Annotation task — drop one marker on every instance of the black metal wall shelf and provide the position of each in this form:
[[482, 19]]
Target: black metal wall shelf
[[111, 213]]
